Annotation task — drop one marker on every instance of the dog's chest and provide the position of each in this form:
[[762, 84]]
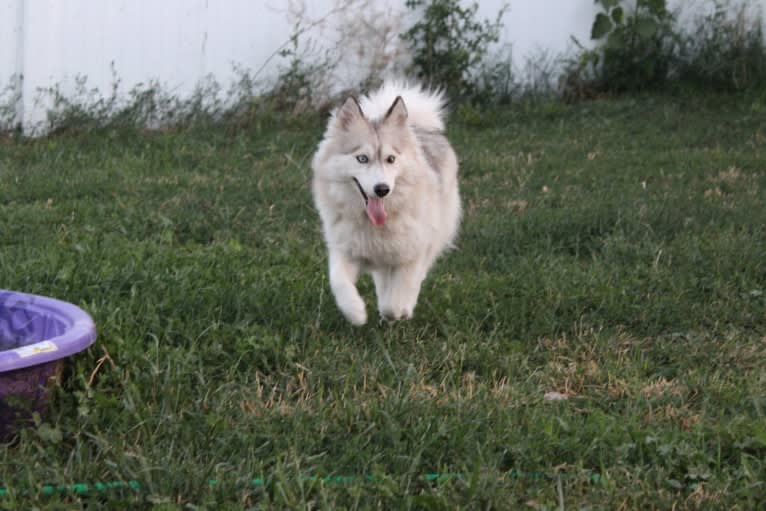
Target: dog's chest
[[389, 245]]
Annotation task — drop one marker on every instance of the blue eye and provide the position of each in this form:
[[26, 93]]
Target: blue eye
[[362, 158]]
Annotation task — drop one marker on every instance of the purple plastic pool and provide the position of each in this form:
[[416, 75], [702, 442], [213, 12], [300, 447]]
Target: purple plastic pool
[[36, 334]]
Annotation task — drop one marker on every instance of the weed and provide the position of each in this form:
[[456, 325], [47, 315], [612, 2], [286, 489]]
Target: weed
[[9, 105], [725, 52]]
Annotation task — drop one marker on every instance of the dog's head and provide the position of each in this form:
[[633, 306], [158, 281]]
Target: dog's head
[[370, 155]]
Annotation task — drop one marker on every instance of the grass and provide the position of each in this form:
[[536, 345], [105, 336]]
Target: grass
[[612, 252]]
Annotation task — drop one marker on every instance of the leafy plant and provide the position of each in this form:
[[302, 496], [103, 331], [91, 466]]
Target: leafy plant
[[448, 43], [635, 47]]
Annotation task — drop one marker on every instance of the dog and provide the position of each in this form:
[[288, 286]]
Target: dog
[[386, 188]]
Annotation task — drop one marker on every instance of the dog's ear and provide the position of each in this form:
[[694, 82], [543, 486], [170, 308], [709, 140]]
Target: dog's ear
[[348, 113], [397, 114]]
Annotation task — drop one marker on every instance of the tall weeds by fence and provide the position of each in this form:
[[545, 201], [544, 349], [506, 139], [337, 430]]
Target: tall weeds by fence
[[635, 46]]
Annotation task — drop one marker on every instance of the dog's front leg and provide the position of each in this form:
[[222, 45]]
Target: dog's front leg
[[343, 275], [403, 288], [382, 279]]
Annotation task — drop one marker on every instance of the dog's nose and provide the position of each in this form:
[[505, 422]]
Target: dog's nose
[[381, 189]]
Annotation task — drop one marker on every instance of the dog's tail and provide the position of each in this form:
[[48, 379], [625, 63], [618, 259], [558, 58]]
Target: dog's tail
[[425, 109]]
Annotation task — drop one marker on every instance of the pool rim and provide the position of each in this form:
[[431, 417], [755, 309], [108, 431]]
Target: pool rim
[[80, 331]]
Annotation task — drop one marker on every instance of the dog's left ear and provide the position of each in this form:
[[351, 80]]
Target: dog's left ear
[[397, 114]]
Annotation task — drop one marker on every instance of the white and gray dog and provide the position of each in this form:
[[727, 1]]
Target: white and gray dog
[[385, 185]]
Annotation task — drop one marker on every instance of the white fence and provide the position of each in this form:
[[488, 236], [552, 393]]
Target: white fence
[[178, 43]]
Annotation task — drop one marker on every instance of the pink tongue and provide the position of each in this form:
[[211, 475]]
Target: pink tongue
[[376, 211]]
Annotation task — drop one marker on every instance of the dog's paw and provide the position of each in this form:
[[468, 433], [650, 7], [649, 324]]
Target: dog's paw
[[390, 315], [355, 311]]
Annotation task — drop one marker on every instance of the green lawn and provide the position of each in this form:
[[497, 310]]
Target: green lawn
[[613, 252]]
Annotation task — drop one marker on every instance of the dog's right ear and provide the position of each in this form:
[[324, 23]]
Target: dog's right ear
[[348, 113]]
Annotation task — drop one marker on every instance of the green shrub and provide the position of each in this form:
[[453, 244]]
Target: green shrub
[[448, 44]]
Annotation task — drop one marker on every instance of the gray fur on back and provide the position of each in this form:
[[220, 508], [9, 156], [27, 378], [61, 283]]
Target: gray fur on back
[[435, 148]]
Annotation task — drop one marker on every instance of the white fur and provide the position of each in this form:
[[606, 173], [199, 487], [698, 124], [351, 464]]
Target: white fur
[[425, 108], [423, 206]]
